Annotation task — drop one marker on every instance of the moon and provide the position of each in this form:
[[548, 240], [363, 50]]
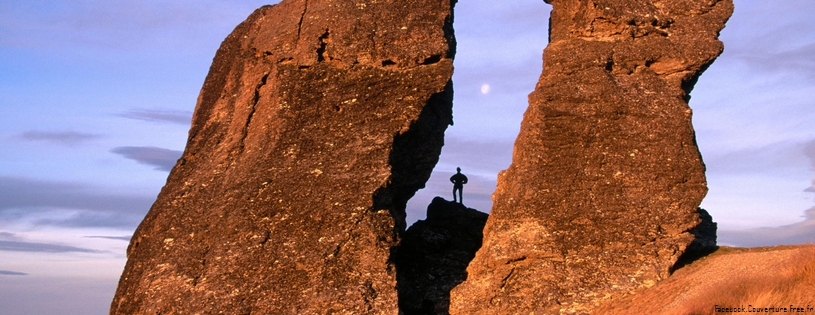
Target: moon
[[485, 89]]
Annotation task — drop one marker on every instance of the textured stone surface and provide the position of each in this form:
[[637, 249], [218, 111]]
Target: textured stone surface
[[606, 176], [316, 123], [433, 256]]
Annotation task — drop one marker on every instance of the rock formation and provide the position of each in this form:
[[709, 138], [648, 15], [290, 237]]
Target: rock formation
[[434, 254], [704, 241], [606, 176], [317, 121], [704, 234]]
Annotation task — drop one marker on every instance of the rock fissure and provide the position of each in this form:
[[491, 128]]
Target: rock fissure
[[300, 22], [321, 51], [515, 260], [505, 279], [431, 60], [252, 108]]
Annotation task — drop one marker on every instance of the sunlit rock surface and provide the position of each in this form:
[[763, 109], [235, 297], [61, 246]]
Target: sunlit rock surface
[[606, 176], [316, 123]]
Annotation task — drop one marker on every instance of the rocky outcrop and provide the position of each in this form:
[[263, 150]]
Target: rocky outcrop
[[704, 234], [317, 121], [433, 256], [704, 241], [606, 176]]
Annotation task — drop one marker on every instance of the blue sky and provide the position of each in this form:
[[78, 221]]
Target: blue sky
[[96, 98]]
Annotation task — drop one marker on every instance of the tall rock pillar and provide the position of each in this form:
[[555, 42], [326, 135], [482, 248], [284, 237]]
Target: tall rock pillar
[[316, 123], [606, 176]]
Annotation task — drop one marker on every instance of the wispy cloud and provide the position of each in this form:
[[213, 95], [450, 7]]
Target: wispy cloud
[[14, 246], [85, 219], [10, 242], [130, 25], [785, 155], [772, 41], [16, 192], [162, 159], [76, 204], [181, 117], [796, 60], [809, 151], [117, 238], [12, 273], [67, 138], [487, 157], [797, 233]]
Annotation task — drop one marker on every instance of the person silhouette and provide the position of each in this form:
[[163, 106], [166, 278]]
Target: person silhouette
[[458, 181]]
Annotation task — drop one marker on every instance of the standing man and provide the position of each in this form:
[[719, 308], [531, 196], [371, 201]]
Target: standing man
[[458, 181]]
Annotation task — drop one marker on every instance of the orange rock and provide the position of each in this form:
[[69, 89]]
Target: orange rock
[[317, 122]]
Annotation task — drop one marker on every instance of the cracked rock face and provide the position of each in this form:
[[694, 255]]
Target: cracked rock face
[[606, 176], [316, 123]]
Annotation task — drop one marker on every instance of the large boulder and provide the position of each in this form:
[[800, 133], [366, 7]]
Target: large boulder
[[606, 177], [434, 254], [316, 123]]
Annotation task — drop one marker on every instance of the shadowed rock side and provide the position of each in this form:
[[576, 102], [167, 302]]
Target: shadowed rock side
[[316, 123], [704, 233], [704, 241], [606, 176], [433, 256]]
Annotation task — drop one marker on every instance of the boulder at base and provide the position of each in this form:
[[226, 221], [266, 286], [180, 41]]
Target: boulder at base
[[434, 254]]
